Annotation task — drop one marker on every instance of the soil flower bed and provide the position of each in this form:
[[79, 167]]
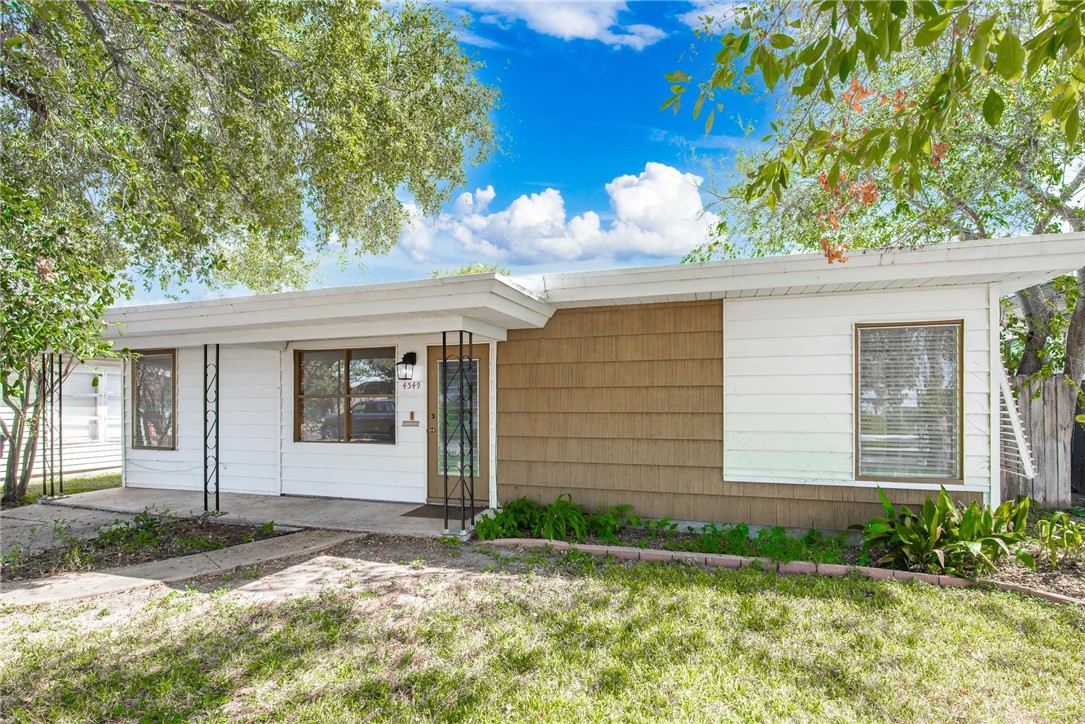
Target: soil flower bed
[[148, 537]]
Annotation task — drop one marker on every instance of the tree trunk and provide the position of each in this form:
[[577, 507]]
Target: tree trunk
[[1075, 337], [1038, 314], [21, 456], [26, 417]]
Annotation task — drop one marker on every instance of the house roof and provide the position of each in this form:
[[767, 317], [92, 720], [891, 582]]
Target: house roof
[[490, 304]]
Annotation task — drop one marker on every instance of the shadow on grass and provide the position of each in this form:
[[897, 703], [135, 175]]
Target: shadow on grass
[[631, 641]]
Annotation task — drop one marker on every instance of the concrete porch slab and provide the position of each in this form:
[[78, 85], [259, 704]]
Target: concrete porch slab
[[356, 516]]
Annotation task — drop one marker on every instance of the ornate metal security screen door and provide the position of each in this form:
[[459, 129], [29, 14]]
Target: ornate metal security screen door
[[458, 427]]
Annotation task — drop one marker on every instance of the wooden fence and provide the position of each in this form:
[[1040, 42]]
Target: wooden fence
[[1047, 410]]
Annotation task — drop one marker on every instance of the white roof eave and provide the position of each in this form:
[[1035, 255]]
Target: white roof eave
[[491, 304]]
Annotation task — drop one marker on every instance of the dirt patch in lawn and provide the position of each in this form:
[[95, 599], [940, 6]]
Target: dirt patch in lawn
[[147, 537]]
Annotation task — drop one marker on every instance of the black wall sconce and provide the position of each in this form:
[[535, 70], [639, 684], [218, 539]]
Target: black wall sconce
[[405, 367]]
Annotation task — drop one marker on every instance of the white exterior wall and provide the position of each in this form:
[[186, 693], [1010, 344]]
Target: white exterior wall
[[248, 416], [257, 447], [789, 366], [92, 422], [369, 471], [182, 467]]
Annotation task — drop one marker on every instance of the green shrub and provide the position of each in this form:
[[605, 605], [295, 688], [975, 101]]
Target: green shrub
[[515, 520], [659, 528], [561, 520], [774, 543], [606, 525], [942, 538], [143, 531], [1061, 535]]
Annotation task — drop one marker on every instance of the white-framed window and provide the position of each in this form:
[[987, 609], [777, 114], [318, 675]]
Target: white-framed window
[[909, 401], [154, 399], [345, 395]]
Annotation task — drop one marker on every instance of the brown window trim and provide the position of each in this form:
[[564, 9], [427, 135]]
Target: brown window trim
[[136, 354], [346, 396], [959, 323]]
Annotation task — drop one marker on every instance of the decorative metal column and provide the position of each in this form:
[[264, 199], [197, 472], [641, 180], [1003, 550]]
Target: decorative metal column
[[210, 427], [51, 423], [457, 425]]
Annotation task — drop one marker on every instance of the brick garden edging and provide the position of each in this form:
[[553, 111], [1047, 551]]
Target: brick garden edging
[[767, 564]]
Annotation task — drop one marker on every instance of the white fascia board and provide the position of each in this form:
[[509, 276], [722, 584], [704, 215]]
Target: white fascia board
[[277, 334], [405, 303], [998, 260]]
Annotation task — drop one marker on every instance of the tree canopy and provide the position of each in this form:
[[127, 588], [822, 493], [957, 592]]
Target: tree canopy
[[966, 172], [823, 53], [192, 137], [167, 140]]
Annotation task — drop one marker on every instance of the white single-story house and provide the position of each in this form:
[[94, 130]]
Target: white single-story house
[[83, 424], [773, 391]]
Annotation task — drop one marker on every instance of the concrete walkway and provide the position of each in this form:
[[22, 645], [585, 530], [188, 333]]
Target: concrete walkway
[[358, 516], [156, 573]]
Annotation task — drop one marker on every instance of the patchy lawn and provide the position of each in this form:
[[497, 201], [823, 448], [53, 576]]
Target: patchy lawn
[[73, 486], [454, 632]]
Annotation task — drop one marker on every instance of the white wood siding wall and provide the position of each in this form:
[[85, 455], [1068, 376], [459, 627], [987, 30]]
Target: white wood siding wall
[[257, 447], [181, 468], [249, 414], [92, 421], [789, 380], [372, 472]]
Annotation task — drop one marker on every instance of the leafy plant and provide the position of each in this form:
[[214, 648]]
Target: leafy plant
[[774, 543], [561, 520], [659, 528], [605, 525], [515, 520], [144, 530], [942, 538], [1061, 535]]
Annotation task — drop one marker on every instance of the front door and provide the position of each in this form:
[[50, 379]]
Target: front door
[[460, 442]]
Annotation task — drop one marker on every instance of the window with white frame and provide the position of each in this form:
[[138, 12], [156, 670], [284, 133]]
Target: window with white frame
[[909, 402]]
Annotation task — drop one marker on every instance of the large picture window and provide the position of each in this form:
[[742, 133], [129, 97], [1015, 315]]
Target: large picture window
[[345, 395], [154, 395], [909, 403]]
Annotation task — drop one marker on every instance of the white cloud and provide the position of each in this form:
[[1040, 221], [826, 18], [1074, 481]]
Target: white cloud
[[571, 20], [656, 213], [718, 12]]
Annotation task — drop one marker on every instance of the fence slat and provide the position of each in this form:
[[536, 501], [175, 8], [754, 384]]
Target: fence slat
[[1046, 408]]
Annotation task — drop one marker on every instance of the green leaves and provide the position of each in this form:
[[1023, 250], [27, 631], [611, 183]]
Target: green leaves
[[943, 538], [1010, 57], [968, 55], [931, 30], [781, 41], [993, 106]]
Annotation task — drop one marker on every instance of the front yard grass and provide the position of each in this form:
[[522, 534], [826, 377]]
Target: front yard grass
[[564, 638], [73, 486]]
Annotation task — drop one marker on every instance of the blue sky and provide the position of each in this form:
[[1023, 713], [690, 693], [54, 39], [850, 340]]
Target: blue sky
[[591, 174]]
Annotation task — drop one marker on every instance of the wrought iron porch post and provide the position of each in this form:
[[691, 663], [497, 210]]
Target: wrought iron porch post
[[210, 427]]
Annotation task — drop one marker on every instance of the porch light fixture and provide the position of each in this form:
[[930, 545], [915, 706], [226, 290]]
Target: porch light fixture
[[405, 367]]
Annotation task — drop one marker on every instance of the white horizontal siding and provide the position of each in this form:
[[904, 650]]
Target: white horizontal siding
[[789, 370], [91, 421], [181, 468], [248, 420], [358, 470]]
